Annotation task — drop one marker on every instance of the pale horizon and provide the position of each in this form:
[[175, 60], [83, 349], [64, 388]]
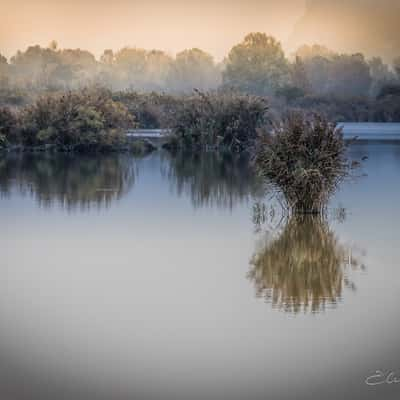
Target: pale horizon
[[348, 26], [172, 27]]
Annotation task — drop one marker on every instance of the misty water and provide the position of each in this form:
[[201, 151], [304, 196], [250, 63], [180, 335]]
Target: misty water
[[177, 277]]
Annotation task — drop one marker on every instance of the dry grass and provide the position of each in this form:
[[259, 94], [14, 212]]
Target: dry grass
[[220, 120], [303, 157]]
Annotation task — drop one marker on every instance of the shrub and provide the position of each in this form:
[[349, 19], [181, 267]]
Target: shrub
[[15, 97], [85, 119], [8, 127], [290, 93], [141, 147], [150, 110], [220, 120], [304, 158]]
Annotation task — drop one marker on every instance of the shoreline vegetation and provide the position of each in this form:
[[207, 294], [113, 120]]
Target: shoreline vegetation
[[344, 87], [66, 99], [95, 119], [301, 157], [282, 113]]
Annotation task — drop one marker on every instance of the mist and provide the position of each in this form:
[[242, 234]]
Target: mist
[[171, 26], [351, 26]]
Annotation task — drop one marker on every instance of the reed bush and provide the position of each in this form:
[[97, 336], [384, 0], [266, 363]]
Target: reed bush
[[303, 157], [83, 119], [150, 110], [218, 120]]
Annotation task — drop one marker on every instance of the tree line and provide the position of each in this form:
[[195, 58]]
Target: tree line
[[258, 65]]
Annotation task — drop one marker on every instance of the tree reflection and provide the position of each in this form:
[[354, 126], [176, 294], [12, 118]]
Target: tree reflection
[[68, 180], [212, 179], [304, 268]]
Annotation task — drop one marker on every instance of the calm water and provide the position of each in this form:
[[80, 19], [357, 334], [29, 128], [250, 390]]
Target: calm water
[[175, 278]]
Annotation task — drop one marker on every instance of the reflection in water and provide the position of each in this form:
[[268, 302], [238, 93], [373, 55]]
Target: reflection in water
[[100, 304], [211, 179], [208, 179], [68, 180], [304, 268]]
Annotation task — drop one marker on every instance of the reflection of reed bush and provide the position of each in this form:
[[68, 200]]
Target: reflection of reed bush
[[212, 178], [71, 181], [304, 268]]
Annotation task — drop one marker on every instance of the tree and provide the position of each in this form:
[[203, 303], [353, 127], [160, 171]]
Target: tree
[[142, 69], [158, 67], [342, 75], [396, 66], [299, 84], [3, 60], [35, 66], [4, 70], [256, 65], [78, 57], [53, 45], [107, 57], [307, 52], [381, 75], [193, 69], [349, 76], [130, 66]]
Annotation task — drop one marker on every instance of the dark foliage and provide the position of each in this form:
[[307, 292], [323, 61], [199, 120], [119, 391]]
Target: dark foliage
[[8, 126], [150, 110], [338, 109], [389, 90]]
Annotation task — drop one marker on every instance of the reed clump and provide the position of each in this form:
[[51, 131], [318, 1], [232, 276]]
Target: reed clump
[[80, 120], [218, 120], [304, 158]]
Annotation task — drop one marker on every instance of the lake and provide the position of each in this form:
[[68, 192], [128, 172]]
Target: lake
[[177, 277]]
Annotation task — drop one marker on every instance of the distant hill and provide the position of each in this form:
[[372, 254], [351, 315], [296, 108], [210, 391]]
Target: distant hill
[[369, 26]]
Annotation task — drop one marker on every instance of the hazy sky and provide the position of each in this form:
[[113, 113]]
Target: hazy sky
[[213, 25]]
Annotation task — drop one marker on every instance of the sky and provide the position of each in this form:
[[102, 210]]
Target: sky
[[369, 26], [351, 26], [213, 25]]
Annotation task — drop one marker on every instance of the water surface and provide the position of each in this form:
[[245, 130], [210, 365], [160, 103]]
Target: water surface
[[177, 278]]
